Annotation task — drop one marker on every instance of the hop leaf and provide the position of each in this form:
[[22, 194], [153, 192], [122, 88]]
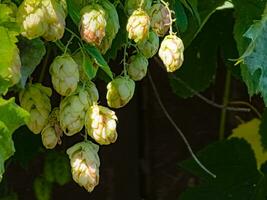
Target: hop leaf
[[137, 67], [150, 46], [138, 25], [171, 52], [73, 108], [132, 5], [160, 19], [93, 24], [100, 123], [35, 99], [85, 164], [65, 74], [120, 91]]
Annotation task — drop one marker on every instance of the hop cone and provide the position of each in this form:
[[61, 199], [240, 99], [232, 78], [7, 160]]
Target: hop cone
[[120, 91], [32, 18], [85, 164], [132, 5], [112, 26], [93, 24], [42, 18], [150, 46], [138, 25], [100, 123], [65, 75], [55, 19], [137, 67], [160, 19], [35, 99], [52, 131], [171, 52], [73, 108]]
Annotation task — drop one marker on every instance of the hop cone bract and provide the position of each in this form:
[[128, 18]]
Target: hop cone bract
[[85, 164], [35, 99], [73, 108], [120, 91], [150, 46], [100, 123], [93, 24], [137, 67], [65, 75], [138, 25]]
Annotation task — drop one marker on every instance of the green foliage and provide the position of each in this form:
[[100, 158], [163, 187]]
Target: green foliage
[[181, 18], [263, 130], [11, 117], [243, 22], [42, 188], [199, 68], [234, 164], [31, 54], [57, 168]]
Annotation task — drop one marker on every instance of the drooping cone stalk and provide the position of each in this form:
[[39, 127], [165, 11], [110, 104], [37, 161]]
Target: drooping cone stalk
[[138, 25], [150, 46], [35, 99], [52, 132], [160, 19], [64, 72], [100, 123], [85, 164], [137, 67], [93, 24], [73, 108], [120, 91], [171, 52]]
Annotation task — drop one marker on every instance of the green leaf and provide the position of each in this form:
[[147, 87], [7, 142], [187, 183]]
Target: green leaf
[[57, 168], [95, 53], [200, 63], [263, 130], [201, 10], [31, 54], [8, 49], [42, 189], [255, 59], [234, 164], [244, 20], [5, 14], [11, 117], [74, 8], [181, 18], [250, 132]]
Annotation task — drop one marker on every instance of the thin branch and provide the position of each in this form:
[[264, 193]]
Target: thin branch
[[177, 128], [248, 105], [208, 101]]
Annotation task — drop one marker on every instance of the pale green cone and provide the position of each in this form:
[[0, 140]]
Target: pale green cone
[[112, 26], [150, 46], [132, 5], [93, 24], [73, 108], [85, 164], [52, 132], [56, 19], [171, 52], [120, 91], [32, 18], [137, 67], [64, 72], [138, 25], [35, 99], [160, 19], [100, 123]]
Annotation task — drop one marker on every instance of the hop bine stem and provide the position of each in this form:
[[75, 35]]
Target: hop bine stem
[[170, 15], [178, 129]]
